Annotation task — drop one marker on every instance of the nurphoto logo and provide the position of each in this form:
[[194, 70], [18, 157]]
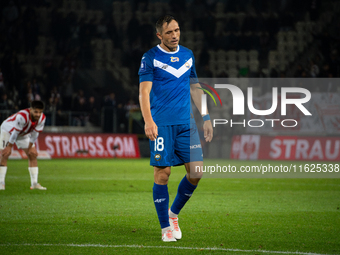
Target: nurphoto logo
[[239, 103]]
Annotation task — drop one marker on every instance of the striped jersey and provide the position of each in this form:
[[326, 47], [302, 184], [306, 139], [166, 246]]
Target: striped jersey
[[22, 122]]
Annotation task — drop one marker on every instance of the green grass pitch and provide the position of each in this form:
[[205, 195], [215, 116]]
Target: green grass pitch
[[106, 207]]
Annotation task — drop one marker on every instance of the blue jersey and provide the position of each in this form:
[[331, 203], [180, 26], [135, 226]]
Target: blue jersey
[[171, 74]]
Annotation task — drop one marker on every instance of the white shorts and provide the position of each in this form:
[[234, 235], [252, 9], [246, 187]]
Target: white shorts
[[22, 142]]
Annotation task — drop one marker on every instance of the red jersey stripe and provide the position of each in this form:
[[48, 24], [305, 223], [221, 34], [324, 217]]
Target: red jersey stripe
[[43, 117], [23, 115], [14, 129]]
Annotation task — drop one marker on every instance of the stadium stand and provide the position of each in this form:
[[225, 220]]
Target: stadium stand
[[51, 44]]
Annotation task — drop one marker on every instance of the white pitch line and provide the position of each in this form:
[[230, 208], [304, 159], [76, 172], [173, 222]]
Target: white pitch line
[[165, 247]]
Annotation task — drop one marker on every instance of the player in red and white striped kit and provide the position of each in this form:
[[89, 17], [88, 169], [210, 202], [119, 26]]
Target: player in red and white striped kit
[[22, 129]]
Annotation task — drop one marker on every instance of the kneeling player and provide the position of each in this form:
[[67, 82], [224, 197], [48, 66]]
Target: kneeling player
[[22, 129]]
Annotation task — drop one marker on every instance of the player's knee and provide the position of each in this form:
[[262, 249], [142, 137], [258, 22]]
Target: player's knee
[[32, 156], [194, 181], [162, 176], [197, 175], [4, 157], [194, 172]]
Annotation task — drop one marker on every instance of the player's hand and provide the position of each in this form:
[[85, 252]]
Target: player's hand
[[151, 130], [32, 152], [6, 152], [208, 131]]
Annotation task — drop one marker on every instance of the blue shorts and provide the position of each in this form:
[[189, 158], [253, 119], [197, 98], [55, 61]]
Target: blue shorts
[[176, 145]]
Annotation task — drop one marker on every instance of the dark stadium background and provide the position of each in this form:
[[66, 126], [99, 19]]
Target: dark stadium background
[[81, 57]]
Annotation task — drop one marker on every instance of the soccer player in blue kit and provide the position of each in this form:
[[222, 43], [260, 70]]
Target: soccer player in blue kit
[[168, 81]]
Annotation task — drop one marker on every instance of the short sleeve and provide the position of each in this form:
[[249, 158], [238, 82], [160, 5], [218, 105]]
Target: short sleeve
[[146, 69], [193, 74], [19, 122]]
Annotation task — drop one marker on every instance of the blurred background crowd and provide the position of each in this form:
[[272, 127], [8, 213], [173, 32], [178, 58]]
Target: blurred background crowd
[[82, 56]]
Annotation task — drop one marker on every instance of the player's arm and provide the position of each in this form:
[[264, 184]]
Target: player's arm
[[34, 136], [18, 124], [31, 150], [150, 128], [196, 95], [6, 152]]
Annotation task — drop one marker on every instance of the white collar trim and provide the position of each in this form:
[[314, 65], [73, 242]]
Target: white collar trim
[[168, 52]]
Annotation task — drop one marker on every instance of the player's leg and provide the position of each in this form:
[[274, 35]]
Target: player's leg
[[190, 150], [3, 171], [185, 190], [161, 200], [32, 163], [4, 138], [161, 151], [190, 153]]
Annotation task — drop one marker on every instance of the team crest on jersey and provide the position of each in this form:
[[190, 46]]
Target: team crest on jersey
[[158, 157], [187, 65], [174, 59]]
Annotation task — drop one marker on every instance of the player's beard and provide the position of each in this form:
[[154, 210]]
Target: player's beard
[[171, 46], [35, 118]]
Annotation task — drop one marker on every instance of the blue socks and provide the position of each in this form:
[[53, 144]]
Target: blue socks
[[161, 200], [185, 190]]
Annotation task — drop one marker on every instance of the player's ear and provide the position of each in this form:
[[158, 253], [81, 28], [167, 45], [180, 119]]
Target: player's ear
[[159, 36]]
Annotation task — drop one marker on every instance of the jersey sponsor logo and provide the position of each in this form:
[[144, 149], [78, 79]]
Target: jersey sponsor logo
[[165, 67], [195, 146], [174, 59], [175, 72], [160, 200], [94, 145], [158, 157]]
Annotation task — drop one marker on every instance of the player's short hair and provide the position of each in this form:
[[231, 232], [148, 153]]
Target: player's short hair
[[164, 19], [37, 104]]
